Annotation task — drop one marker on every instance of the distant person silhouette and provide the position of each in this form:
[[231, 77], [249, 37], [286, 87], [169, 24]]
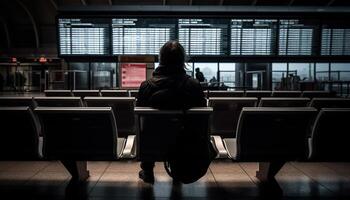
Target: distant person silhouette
[[169, 88], [199, 75]]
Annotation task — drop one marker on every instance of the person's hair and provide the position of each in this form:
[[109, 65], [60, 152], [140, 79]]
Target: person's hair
[[172, 54]]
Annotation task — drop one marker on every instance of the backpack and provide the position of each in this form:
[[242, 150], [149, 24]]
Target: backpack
[[190, 157]]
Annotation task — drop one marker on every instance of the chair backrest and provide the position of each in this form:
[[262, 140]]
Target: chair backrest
[[283, 102], [321, 93], [114, 93], [221, 93], [258, 93], [86, 93], [133, 93], [58, 93], [17, 101], [78, 133], [19, 134], [266, 134], [123, 108], [226, 112], [158, 130], [319, 103], [58, 101], [286, 93], [330, 136]]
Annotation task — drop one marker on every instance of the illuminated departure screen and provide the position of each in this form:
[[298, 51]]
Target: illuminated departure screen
[[141, 36], [335, 41], [83, 36], [295, 38], [203, 36], [252, 37]]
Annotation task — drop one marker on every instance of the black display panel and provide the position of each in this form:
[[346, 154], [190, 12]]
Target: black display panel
[[335, 41], [141, 36], [203, 36], [253, 36], [295, 38], [83, 36]]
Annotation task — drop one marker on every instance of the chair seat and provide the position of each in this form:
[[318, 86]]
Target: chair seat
[[231, 147]]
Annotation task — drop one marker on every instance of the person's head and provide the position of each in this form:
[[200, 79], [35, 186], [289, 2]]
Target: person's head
[[197, 69], [172, 54]]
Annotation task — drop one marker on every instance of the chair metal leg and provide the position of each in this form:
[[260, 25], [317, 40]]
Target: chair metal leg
[[77, 169]]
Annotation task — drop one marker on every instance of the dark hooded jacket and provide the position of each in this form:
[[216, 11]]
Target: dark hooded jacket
[[170, 88]]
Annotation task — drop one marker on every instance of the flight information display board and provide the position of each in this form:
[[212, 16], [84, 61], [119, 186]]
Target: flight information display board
[[83, 36], [295, 38], [132, 74], [252, 36], [203, 36], [141, 36]]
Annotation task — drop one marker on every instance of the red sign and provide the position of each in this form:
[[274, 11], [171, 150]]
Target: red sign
[[42, 60], [132, 74], [14, 59]]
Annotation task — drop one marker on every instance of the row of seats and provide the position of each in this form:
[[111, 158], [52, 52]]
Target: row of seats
[[93, 93], [208, 93], [223, 121], [90, 133], [266, 93]]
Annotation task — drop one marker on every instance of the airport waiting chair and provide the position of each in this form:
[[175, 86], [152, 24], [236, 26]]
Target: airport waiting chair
[[283, 102], [74, 135], [19, 134], [271, 136], [223, 121], [318, 93], [114, 93], [17, 101], [319, 103], [278, 93], [221, 93], [58, 102], [133, 93], [258, 93], [123, 108], [58, 93], [157, 130], [86, 93], [330, 135]]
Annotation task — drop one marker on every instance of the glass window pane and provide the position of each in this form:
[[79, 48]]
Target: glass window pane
[[304, 70], [227, 66], [322, 71], [189, 69], [279, 70], [104, 75], [209, 70], [340, 71], [78, 76]]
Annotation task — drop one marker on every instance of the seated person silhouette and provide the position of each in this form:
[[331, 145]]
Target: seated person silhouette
[[169, 88]]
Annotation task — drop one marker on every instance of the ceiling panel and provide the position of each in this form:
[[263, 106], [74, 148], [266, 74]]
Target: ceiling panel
[[310, 2], [272, 2], [137, 2], [177, 2]]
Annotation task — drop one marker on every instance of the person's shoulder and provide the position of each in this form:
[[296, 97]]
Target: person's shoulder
[[191, 81]]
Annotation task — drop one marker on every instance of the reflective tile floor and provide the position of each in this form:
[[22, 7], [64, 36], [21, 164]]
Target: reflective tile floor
[[224, 180]]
